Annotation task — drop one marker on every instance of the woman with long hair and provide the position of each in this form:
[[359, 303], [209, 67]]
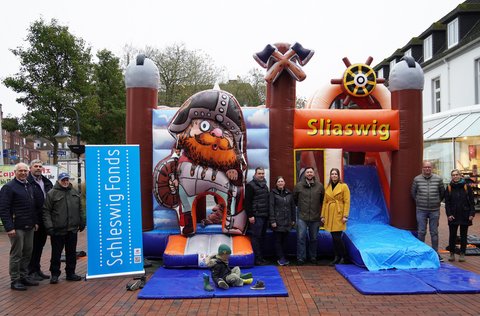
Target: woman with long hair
[[282, 217], [460, 209], [335, 210]]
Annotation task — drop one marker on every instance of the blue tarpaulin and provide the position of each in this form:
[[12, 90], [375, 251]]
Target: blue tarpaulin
[[380, 245]]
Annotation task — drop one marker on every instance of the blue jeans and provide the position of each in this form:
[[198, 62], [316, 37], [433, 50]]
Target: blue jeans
[[432, 217], [302, 227]]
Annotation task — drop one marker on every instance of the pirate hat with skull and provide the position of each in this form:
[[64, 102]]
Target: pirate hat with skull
[[216, 105]]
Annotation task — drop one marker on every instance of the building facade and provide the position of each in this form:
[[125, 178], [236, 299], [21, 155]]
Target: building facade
[[449, 53]]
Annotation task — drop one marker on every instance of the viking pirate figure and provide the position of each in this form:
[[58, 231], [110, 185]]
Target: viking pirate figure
[[209, 158]]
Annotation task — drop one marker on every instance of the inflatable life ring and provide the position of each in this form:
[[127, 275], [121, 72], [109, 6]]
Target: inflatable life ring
[[359, 80]]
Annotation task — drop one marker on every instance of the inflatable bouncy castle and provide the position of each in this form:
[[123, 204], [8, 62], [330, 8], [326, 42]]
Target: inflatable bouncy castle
[[197, 158]]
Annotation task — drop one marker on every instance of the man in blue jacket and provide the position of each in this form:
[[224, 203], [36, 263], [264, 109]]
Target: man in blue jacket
[[18, 211]]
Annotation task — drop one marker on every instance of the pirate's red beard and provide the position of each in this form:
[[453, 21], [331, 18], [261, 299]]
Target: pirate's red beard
[[211, 151]]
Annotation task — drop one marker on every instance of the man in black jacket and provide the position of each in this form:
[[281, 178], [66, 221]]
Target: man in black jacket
[[257, 202], [42, 185], [18, 206]]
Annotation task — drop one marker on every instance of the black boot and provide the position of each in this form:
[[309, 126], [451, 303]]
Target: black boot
[[188, 221], [335, 261]]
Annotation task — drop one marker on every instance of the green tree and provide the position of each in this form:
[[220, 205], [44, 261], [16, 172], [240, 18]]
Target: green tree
[[249, 90], [10, 124], [55, 71], [107, 117], [183, 72]]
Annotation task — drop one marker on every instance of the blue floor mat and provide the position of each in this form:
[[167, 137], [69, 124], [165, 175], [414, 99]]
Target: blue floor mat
[[446, 279], [188, 283]]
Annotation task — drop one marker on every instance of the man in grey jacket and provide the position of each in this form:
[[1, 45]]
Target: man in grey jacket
[[428, 191]]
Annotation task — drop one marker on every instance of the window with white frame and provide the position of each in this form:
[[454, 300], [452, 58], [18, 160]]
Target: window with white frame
[[392, 64], [477, 81], [452, 29], [427, 48], [408, 53], [436, 95], [380, 73]]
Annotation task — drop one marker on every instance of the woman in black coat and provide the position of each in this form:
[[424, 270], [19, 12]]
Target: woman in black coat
[[282, 217], [459, 205]]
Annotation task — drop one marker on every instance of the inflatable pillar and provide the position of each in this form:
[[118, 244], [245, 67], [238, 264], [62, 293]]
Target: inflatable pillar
[[406, 85], [281, 100], [142, 82]]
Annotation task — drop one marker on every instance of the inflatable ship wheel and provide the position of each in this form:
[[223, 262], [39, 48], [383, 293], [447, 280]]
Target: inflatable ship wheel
[[163, 175], [359, 80]]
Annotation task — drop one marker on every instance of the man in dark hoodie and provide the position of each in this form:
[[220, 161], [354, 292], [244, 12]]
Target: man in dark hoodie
[[18, 211], [257, 201], [308, 196], [42, 185], [63, 219]]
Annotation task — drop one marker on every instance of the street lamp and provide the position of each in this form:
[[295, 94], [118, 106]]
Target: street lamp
[[62, 136]]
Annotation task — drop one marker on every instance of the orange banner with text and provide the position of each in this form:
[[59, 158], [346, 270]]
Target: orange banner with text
[[352, 130]]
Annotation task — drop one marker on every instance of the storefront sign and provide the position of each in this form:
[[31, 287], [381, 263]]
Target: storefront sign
[[114, 216], [352, 130]]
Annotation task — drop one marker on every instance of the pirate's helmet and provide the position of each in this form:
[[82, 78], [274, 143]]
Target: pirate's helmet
[[217, 105]]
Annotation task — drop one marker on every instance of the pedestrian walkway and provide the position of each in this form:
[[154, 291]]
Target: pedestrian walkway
[[313, 290]]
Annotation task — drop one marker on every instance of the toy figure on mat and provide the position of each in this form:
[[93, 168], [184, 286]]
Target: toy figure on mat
[[209, 158], [222, 275], [216, 217]]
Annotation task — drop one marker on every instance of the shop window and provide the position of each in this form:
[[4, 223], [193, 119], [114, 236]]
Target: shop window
[[392, 64], [436, 100], [380, 73], [440, 154], [427, 48], [408, 53], [452, 38], [467, 156]]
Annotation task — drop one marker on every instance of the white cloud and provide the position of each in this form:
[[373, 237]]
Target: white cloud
[[258, 118]]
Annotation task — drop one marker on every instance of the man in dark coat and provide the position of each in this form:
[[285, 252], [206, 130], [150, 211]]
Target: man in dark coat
[[42, 185], [18, 211], [256, 205], [63, 219]]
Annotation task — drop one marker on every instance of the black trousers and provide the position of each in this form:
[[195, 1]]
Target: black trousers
[[338, 245], [453, 237], [69, 242], [39, 240], [257, 234], [281, 240]]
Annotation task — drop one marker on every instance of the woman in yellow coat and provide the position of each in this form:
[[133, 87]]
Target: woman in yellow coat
[[335, 210]]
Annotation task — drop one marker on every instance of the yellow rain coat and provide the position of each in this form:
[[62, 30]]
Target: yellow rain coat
[[336, 205]]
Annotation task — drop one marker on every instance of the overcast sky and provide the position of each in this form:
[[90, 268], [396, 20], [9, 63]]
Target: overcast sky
[[229, 31]]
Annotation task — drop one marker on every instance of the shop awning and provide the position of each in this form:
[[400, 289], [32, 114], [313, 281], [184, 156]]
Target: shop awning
[[453, 125]]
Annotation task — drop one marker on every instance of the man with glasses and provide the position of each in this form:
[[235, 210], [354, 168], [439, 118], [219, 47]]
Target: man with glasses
[[428, 192], [42, 185], [18, 210]]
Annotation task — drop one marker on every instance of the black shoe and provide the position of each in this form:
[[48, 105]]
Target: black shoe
[[17, 286], [74, 277], [335, 261], [258, 286], [313, 261], [300, 262], [29, 282], [35, 276], [43, 275], [260, 262], [54, 279]]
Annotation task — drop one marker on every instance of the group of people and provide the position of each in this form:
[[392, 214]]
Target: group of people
[[32, 208], [317, 206], [428, 191]]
